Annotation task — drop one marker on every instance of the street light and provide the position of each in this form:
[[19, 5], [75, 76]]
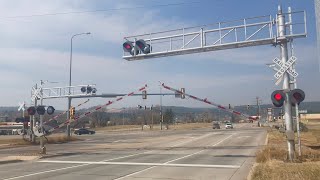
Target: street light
[[69, 98]]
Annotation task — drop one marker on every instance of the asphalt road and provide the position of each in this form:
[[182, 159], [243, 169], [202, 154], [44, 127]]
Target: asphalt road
[[174, 154]]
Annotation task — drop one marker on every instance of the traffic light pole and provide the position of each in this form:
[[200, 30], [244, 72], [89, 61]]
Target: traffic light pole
[[283, 42]]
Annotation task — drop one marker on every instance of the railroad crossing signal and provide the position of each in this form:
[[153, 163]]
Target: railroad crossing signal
[[50, 110], [297, 96], [285, 67], [88, 90], [140, 46], [41, 110], [277, 98], [31, 111]]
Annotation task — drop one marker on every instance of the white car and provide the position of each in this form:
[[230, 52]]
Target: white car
[[229, 126]]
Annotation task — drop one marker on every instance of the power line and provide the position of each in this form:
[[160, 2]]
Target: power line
[[101, 10]]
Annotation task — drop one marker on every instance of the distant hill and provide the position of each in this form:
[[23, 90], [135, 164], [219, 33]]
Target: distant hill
[[11, 113]]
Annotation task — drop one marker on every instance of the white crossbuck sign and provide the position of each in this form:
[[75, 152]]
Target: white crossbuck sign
[[285, 67]]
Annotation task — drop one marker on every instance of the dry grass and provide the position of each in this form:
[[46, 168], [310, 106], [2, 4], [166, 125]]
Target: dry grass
[[50, 140], [119, 127], [155, 127], [273, 162], [191, 126], [271, 153], [280, 170], [14, 141]]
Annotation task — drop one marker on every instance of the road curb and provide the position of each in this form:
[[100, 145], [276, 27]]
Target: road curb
[[10, 161]]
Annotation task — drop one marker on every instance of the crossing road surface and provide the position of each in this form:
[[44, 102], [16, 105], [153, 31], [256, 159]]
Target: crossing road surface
[[174, 154]]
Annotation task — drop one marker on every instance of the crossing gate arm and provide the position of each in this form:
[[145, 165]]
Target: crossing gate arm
[[97, 108], [62, 113], [210, 103]]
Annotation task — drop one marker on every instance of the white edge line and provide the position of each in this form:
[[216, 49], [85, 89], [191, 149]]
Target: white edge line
[[53, 170], [60, 169]]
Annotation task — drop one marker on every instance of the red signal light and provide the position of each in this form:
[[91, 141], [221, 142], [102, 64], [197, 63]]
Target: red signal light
[[278, 96], [127, 46]]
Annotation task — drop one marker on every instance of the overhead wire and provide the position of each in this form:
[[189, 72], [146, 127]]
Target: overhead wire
[[99, 10]]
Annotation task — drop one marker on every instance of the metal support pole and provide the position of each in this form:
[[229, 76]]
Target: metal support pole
[[69, 98], [295, 86], [286, 83], [161, 116], [70, 73], [33, 137], [23, 129], [42, 148]]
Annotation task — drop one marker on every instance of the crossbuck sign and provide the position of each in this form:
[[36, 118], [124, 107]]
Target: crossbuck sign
[[285, 67]]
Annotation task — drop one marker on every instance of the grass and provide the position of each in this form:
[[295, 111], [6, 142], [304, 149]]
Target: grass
[[272, 161], [280, 170], [191, 126], [157, 127], [50, 140]]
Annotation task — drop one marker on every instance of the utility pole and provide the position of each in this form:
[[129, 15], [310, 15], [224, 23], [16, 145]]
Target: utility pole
[[283, 42], [258, 106]]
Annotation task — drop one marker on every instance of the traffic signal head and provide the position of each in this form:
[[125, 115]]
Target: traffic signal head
[[143, 46], [277, 98], [72, 112], [183, 91], [297, 96], [144, 94], [31, 111], [128, 47]]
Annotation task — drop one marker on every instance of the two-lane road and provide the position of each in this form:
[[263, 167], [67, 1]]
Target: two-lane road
[[184, 154]]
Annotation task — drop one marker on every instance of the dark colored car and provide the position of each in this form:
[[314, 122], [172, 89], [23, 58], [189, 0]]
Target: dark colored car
[[83, 131], [216, 126]]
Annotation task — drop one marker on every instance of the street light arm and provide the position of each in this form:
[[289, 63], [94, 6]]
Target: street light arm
[[87, 33]]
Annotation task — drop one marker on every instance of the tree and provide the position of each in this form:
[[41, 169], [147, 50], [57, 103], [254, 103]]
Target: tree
[[100, 118], [168, 116]]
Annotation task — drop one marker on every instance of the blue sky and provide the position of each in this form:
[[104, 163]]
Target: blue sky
[[38, 48]]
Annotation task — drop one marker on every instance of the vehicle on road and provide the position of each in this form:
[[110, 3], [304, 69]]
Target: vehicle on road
[[229, 126], [83, 131], [216, 126]]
